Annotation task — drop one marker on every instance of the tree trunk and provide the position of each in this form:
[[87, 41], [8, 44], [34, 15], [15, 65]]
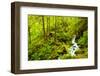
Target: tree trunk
[[47, 27], [55, 27], [43, 27], [29, 33], [63, 21]]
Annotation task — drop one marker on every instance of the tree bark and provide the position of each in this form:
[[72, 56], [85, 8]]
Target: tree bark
[[55, 27], [29, 33], [47, 27], [63, 21], [43, 27]]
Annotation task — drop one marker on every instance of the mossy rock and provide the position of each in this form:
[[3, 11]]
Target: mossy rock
[[79, 52]]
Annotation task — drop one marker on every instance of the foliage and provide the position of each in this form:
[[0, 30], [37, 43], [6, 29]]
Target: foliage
[[50, 37]]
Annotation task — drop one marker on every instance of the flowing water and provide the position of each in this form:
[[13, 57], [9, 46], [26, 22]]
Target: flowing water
[[74, 47]]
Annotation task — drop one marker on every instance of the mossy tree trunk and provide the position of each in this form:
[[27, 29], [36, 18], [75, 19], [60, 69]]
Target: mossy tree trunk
[[43, 27]]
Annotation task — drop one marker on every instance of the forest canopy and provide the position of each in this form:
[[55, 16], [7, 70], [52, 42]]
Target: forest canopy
[[51, 37]]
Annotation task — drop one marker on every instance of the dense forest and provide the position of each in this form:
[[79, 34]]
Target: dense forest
[[54, 37]]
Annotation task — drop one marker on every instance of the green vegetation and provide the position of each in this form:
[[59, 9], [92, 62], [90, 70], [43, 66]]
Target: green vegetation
[[50, 37]]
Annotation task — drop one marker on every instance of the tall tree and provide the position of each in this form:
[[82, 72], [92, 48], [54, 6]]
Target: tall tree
[[49, 24], [62, 21], [29, 33], [47, 27], [55, 27], [43, 27]]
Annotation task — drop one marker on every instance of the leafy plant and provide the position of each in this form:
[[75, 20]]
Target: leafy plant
[[50, 37]]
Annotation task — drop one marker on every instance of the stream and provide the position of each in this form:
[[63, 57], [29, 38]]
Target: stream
[[74, 47]]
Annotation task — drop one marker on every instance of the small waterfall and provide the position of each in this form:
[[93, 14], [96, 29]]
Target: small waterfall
[[74, 47]]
